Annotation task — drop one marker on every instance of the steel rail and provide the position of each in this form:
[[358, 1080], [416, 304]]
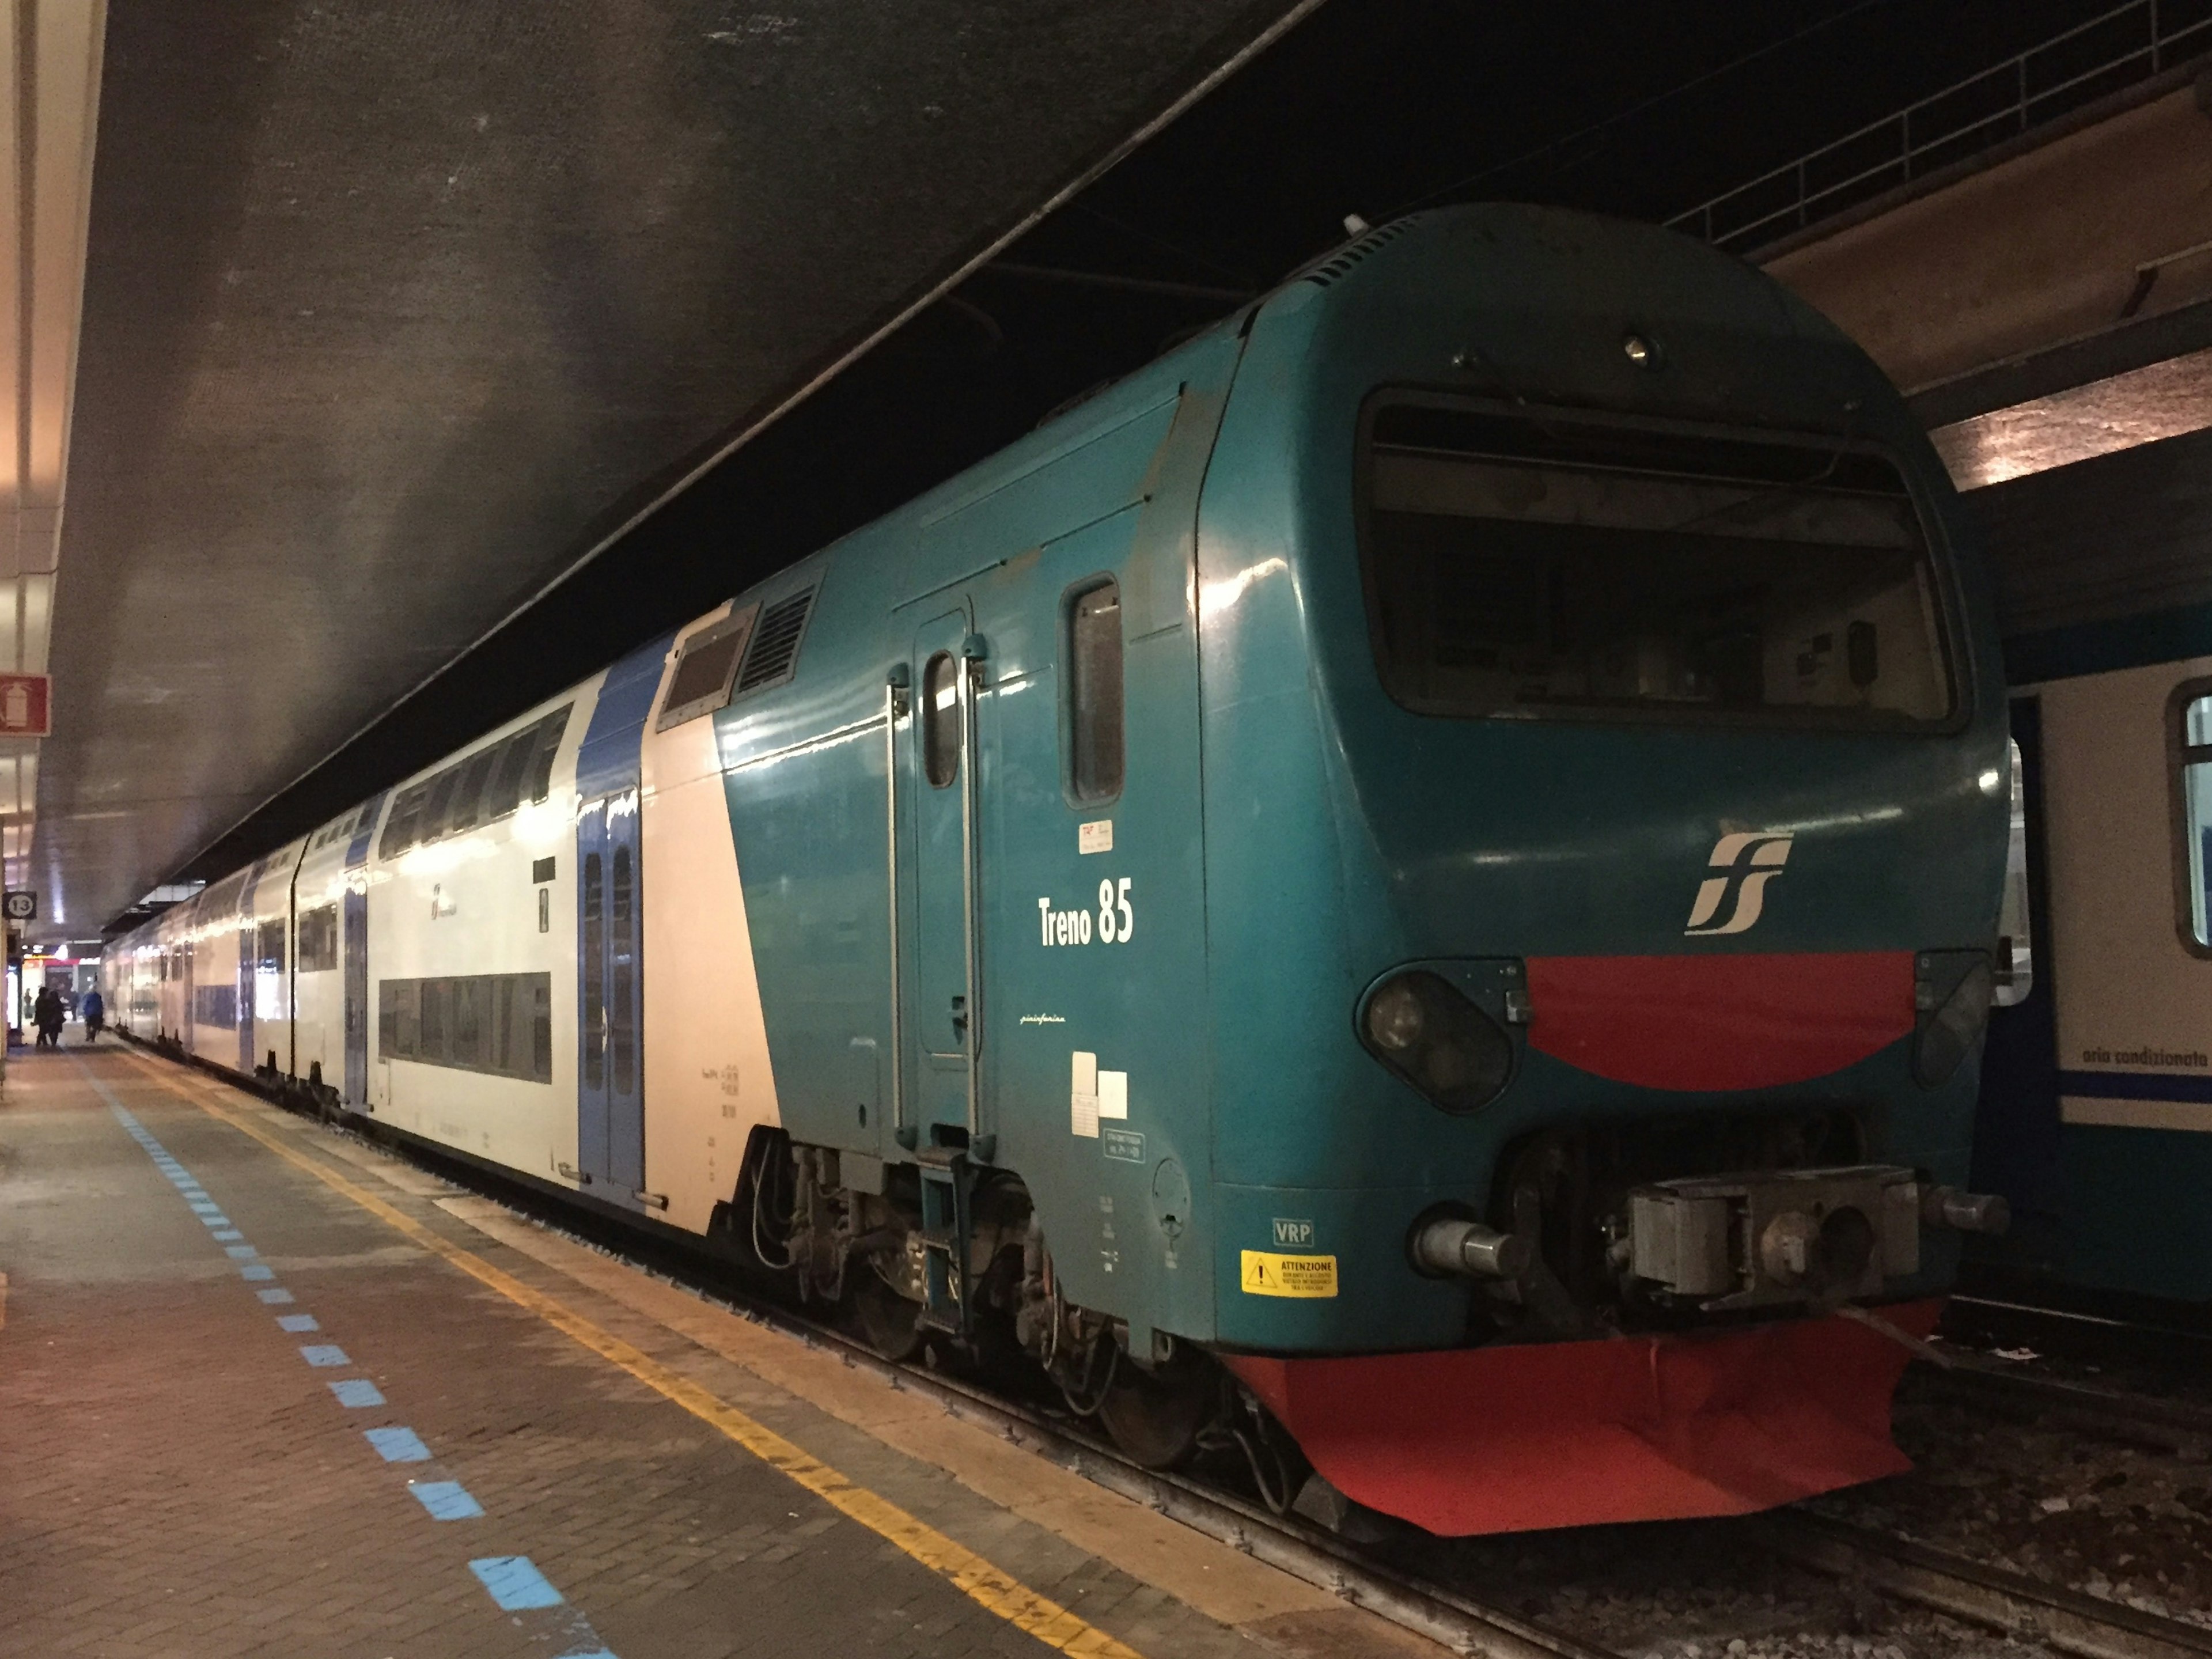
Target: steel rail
[[2081, 1402], [1993, 1597]]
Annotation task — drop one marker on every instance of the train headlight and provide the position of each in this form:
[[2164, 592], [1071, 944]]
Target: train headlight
[[1434, 1037], [1394, 1018], [1951, 997]]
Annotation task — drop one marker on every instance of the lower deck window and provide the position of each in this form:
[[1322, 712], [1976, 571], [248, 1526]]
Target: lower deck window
[[501, 1024]]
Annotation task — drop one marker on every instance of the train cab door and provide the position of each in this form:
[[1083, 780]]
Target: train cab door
[[939, 1095], [610, 1087]]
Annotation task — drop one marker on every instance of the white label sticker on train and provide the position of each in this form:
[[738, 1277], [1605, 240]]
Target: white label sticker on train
[[1095, 837]]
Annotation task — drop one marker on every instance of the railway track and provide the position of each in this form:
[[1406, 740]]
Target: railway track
[[2167, 1425], [1900, 1568], [2009, 1602]]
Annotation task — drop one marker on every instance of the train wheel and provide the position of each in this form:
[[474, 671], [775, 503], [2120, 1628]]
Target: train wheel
[[887, 1320], [1157, 1416]]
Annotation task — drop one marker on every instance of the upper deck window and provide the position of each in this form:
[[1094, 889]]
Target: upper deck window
[[1529, 568]]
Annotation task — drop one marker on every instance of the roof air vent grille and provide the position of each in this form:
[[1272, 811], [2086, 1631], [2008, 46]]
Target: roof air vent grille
[[1340, 262], [775, 650]]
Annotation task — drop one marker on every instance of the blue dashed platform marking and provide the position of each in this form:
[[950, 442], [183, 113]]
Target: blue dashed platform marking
[[447, 1500], [397, 1445], [514, 1583]]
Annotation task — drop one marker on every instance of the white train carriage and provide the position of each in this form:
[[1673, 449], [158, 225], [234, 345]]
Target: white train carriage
[[2096, 1110]]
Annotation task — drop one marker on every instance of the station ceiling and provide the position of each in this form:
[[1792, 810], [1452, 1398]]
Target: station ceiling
[[393, 311]]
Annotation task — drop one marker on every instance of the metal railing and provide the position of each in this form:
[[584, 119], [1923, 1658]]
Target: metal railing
[[2129, 44]]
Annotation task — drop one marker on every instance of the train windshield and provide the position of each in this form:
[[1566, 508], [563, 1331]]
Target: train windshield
[[1524, 567]]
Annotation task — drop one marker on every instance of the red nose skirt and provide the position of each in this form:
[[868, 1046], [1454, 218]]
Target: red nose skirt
[[1572, 1434]]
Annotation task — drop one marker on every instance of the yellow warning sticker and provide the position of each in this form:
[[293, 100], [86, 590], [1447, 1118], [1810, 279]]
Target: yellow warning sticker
[[1268, 1274]]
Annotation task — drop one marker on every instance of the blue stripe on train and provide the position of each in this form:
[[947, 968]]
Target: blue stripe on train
[[2135, 1085], [607, 761]]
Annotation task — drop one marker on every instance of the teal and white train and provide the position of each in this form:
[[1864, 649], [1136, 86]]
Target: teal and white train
[[1416, 878]]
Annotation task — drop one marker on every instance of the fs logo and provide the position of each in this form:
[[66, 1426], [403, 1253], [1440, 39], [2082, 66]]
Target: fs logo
[[1748, 860]]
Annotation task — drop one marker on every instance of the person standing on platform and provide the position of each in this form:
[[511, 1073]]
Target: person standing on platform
[[94, 1012], [46, 1014]]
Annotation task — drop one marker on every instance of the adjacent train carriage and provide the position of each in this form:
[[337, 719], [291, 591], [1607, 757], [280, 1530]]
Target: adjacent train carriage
[[1417, 879], [2096, 1112]]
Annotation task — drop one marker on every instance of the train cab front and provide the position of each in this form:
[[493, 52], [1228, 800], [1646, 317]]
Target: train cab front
[[1629, 918]]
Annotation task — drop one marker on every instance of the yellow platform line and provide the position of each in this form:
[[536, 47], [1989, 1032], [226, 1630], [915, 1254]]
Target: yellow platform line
[[996, 1592]]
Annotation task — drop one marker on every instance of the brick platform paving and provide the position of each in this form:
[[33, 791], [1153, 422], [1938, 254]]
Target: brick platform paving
[[241, 1414]]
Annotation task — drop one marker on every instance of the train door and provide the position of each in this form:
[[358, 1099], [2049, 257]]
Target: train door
[[611, 1095], [941, 1096], [355, 950], [249, 961], [2016, 1127], [356, 996]]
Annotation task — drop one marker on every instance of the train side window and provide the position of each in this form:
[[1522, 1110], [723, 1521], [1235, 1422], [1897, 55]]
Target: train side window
[[940, 719], [515, 757], [272, 947], [400, 831], [468, 796], [431, 1044], [622, 992], [2015, 963], [440, 804], [541, 1027], [464, 1045], [1094, 694], [595, 983], [550, 731], [2192, 753], [318, 950]]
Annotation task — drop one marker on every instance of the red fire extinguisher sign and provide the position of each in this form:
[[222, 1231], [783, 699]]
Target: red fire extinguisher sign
[[26, 705]]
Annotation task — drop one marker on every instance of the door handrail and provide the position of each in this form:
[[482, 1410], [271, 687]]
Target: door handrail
[[971, 670], [892, 687]]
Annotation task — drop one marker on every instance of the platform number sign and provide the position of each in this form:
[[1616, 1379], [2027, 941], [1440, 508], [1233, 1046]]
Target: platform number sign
[[22, 906]]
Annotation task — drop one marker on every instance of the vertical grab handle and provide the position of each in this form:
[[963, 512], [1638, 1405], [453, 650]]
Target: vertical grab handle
[[893, 706], [971, 672]]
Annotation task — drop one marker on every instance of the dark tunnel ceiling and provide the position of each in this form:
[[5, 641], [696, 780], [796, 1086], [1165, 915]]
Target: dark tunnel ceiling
[[391, 310], [1367, 105]]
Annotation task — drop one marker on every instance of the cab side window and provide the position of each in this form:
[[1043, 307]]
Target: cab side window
[[940, 719], [1094, 694]]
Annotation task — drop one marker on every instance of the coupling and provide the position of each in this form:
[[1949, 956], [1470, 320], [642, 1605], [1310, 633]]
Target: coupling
[[1963, 1211]]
